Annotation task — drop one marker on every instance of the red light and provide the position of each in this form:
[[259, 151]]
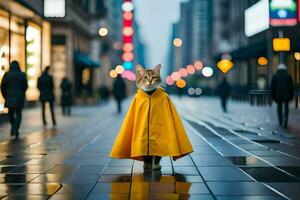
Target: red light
[[127, 16], [127, 56], [128, 47]]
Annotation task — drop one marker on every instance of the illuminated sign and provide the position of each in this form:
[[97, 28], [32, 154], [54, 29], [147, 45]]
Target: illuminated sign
[[281, 44], [283, 12], [257, 18], [54, 8]]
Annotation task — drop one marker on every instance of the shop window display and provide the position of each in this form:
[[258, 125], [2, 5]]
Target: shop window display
[[4, 47], [33, 59]]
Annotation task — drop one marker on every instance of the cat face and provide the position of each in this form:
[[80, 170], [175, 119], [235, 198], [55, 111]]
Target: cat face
[[148, 79]]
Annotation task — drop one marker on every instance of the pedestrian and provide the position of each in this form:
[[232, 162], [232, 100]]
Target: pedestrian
[[13, 88], [282, 92], [104, 94], [66, 96], [152, 127], [46, 87], [223, 91], [119, 91]]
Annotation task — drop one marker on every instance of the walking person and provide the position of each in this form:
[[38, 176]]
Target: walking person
[[66, 96], [119, 91], [46, 87], [282, 91], [13, 88], [224, 93]]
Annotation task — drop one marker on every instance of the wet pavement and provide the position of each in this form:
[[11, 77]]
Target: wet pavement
[[233, 158]]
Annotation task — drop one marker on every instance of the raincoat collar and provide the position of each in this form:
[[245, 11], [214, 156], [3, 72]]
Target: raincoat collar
[[158, 91]]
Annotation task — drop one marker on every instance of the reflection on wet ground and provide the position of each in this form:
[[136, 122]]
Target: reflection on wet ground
[[73, 164]]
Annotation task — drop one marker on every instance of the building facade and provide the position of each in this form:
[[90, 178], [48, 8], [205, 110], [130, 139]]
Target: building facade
[[76, 43], [24, 36]]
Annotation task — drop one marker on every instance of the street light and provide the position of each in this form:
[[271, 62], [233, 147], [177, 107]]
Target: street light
[[177, 42], [103, 31]]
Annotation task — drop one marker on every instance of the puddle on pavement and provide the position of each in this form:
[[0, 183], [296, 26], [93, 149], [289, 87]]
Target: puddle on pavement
[[263, 141], [295, 171], [246, 161]]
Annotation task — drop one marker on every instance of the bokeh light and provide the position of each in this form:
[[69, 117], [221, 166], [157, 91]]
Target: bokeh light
[[181, 83], [190, 69], [198, 91], [113, 73], [127, 6], [119, 69], [207, 71], [183, 72], [129, 75], [177, 42], [175, 76], [262, 61], [127, 31], [191, 91], [127, 56], [128, 47], [297, 55], [103, 31], [127, 65], [169, 80], [198, 65], [127, 15]]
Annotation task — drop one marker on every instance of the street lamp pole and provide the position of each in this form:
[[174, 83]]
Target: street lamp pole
[[281, 53]]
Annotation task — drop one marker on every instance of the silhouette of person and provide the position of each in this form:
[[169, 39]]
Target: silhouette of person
[[224, 93], [119, 92], [13, 88], [46, 87], [66, 96], [282, 92]]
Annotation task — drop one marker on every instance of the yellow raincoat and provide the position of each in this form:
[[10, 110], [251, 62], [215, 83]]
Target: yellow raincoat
[[152, 127]]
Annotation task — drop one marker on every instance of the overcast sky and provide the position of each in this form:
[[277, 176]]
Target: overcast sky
[[155, 18]]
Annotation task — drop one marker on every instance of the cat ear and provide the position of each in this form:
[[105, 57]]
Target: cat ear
[[139, 70], [157, 69]]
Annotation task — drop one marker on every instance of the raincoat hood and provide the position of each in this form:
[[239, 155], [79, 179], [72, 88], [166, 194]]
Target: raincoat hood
[[152, 127]]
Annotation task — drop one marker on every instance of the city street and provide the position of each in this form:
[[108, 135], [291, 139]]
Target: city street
[[239, 155]]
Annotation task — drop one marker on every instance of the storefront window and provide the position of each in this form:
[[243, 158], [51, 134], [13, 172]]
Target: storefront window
[[4, 46], [33, 59], [17, 41]]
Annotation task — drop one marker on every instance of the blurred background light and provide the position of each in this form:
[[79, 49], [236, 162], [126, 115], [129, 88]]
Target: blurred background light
[[198, 65], [128, 47], [190, 69], [207, 71], [119, 69], [191, 91], [169, 80], [181, 83], [127, 56], [127, 6], [127, 65], [297, 55], [262, 61], [183, 72], [127, 15], [127, 31], [113, 73], [198, 91], [103, 31], [175, 76], [177, 42]]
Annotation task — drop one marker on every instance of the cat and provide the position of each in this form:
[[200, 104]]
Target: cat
[[148, 79]]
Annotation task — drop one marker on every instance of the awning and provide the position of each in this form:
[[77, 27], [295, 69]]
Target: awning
[[83, 60], [248, 52]]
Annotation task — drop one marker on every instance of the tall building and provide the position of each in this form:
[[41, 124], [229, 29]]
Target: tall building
[[75, 42], [25, 37]]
